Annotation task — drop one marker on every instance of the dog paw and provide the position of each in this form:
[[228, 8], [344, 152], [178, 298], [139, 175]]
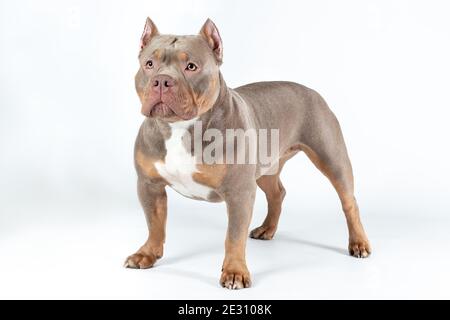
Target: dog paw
[[359, 248], [140, 261], [235, 279], [263, 233]]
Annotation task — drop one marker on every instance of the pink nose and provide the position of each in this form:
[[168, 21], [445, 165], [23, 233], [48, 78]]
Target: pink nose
[[162, 83]]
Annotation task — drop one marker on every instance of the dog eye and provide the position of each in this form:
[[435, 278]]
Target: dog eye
[[191, 67], [149, 64]]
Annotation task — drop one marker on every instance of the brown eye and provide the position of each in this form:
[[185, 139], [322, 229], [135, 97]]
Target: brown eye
[[191, 67], [149, 64]]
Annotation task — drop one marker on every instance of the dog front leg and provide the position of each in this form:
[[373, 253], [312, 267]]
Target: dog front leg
[[235, 274], [154, 202]]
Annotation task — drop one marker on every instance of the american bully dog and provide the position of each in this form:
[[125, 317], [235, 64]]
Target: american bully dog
[[181, 88]]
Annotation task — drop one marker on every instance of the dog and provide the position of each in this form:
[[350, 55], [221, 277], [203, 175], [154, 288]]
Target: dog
[[179, 84]]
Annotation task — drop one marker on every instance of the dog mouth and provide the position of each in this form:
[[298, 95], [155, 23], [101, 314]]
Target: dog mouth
[[166, 111], [160, 109]]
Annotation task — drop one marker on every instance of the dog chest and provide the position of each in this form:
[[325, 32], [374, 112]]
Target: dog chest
[[179, 165]]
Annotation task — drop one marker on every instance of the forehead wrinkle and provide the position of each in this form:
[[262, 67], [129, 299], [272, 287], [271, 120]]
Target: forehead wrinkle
[[170, 55], [167, 50]]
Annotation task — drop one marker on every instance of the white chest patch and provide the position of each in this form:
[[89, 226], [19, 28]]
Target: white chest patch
[[179, 165]]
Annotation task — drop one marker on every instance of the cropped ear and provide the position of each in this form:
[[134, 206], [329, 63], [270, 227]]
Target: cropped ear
[[150, 31], [211, 34]]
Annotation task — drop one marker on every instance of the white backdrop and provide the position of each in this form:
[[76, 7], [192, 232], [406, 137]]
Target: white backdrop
[[69, 115]]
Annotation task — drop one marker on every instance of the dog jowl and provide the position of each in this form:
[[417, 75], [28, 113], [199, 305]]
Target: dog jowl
[[181, 89]]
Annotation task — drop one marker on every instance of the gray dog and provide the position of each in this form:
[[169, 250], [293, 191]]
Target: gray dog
[[179, 83]]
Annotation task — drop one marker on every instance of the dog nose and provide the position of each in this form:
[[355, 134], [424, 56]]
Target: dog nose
[[163, 83]]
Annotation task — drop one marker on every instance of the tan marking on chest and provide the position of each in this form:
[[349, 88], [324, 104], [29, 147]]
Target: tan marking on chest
[[147, 165], [210, 175]]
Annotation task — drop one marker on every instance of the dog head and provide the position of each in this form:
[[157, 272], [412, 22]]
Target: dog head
[[178, 77]]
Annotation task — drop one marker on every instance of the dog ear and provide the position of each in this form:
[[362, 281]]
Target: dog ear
[[211, 34], [150, 31]]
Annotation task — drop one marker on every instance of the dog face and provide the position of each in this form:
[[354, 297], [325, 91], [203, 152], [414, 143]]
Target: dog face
[[178, 77]]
